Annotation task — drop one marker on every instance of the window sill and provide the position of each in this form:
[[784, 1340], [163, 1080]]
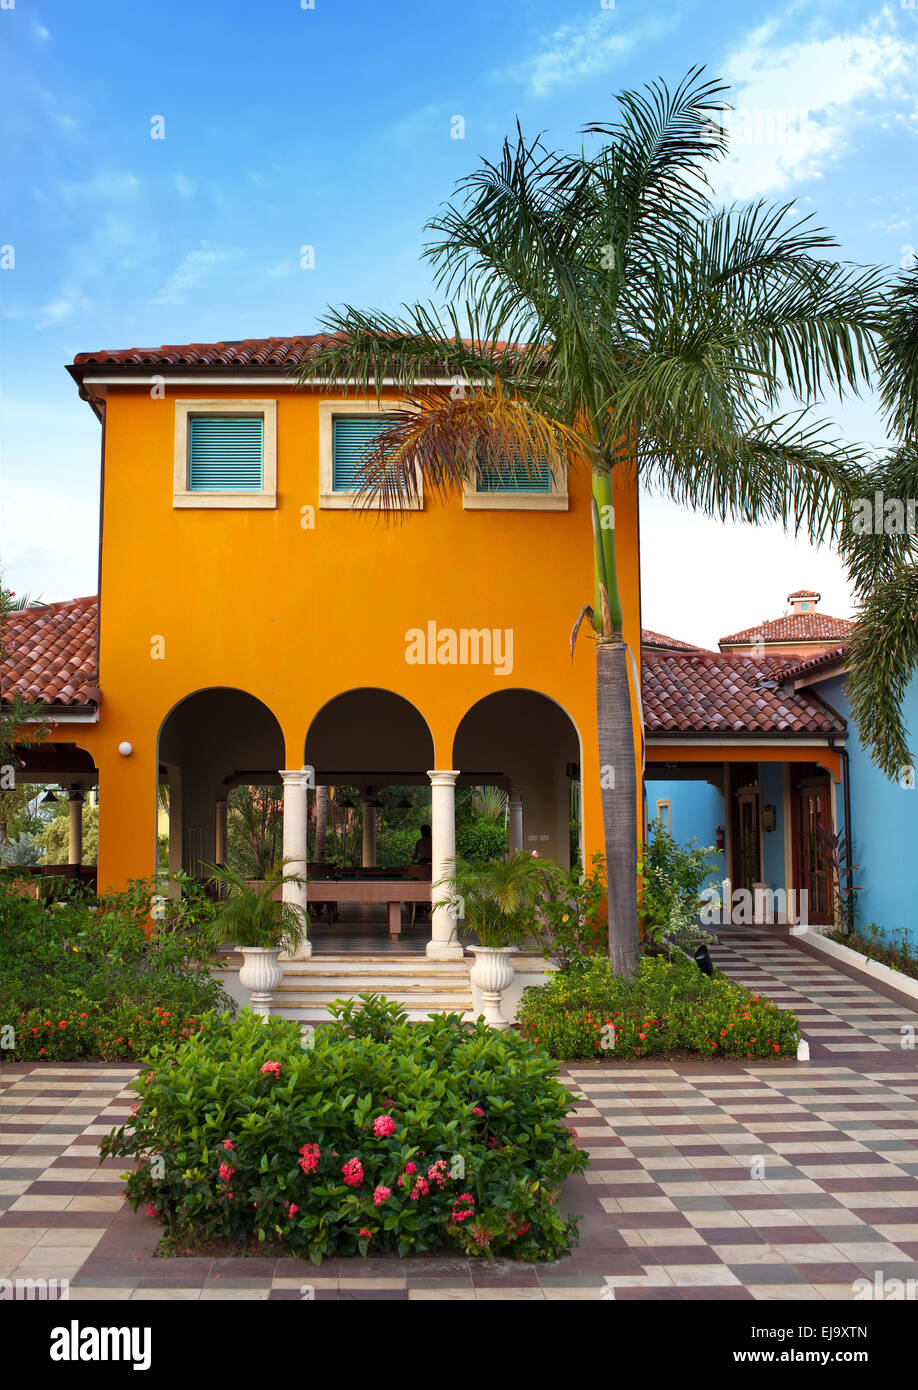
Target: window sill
[[515, 501], [352, 502], [252, 501]]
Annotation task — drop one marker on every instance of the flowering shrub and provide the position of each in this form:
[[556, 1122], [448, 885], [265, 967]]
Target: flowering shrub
[[670, 1005], [120, 1033], [475, 1154]]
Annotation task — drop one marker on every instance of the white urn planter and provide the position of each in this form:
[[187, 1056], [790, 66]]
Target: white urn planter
[[261, 973], [492, 973]]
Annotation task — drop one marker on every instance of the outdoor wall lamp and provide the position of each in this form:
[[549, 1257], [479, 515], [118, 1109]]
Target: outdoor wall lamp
[[125, 749], [48, 799], [769, 819], [720, 838]]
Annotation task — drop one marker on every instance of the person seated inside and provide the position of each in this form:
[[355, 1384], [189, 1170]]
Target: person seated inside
[[423, 850]]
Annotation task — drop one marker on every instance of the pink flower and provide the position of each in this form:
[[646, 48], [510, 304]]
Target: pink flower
[[273, 1067], [411, 1167], [353, 1172], [150, 1209], [310, 1160], [437, 1172], [463, 1207], [381, 1194], [365, 1231], [383, 1126], [535, 854], [227, 1144], [421, 1189], [226, 1172], [477, 1110], [292, 1208]]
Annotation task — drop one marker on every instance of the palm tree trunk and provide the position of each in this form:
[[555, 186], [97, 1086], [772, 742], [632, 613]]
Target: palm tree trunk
[[321, 823], [618, 784]]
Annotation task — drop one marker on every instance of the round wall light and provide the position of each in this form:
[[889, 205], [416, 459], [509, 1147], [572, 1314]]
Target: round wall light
[[125, 749]]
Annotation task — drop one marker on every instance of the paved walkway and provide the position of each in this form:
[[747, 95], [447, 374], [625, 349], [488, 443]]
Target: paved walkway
[[764, 1181]]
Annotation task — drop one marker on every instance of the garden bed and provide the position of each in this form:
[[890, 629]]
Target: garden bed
[[670, 1011], [383, 1136]]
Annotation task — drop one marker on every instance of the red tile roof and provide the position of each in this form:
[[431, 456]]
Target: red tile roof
[[804, 593], [655, 641], [794, 627], [51, 653], [834, 656], [709, 693], [240, 355]]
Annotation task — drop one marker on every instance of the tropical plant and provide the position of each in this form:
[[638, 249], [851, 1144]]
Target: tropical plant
[[249, 915], [672, 877], [254, 829], [603, 312], [881, 549], [573, 923], [381, 1137], [498, 898]]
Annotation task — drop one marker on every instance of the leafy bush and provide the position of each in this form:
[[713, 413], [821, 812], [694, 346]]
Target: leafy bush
[[671, 877], [99, 967], [574, 928], [382, 1136], [480, 839], [25, 851], [670, 1005]]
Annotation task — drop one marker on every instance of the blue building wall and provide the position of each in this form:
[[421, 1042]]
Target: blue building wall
[[884, 825], [697, 810]]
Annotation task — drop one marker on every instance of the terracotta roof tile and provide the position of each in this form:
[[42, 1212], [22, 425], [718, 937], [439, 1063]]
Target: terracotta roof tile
[[51, 653], [834, 655], [804, 593], [712, 693], [249, 355], [794, 627], [655, 641]]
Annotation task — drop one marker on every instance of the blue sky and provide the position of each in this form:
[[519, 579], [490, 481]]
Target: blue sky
[[332, 127]]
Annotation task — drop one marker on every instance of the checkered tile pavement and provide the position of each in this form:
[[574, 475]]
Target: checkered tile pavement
[[763, 1181]]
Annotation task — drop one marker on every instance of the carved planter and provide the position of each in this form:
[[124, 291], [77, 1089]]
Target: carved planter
[[492, 973], [261, 973]]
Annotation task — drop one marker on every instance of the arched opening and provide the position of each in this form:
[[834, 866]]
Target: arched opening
[[526, 744], [213, 742]]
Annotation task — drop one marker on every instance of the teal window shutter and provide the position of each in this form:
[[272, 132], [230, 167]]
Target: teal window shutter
[[513, 475], [352, 438], [225, 454]]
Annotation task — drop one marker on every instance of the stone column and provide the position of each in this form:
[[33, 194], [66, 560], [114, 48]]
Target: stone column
[[516, 820], [221, 832], [75, 837], [369, 832], [443, 944], [296, 785]]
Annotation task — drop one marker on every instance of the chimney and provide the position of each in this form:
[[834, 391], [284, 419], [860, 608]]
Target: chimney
[[803, 601]]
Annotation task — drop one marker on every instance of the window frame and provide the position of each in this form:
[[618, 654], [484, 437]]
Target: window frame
[[520, 500], [185, 412], [329, 498]]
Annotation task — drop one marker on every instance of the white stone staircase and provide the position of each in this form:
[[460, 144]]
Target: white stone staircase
[[420, 985]]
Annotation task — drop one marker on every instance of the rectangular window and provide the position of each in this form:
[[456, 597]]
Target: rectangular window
[[665, 814], [353, 437], [225, 455], [514, 476]]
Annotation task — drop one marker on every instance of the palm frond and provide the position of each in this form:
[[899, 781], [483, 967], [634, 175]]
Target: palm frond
[[883, 656]]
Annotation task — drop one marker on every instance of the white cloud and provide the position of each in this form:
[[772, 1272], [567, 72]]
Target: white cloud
[[193, 268], [40, 32], [70, 301], [577, 51], [185, 187], [797, 105], [109, 186]]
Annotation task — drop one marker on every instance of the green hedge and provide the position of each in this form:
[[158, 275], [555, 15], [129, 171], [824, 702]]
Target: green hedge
[[381, 1136], [670, 1006]]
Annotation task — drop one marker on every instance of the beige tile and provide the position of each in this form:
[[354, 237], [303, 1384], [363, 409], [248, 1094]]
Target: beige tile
[[696, 1276], [113, 1203], [88, 1292], [234, 1295], [349, 1282], [446, 1295], [43, 1203], [72, 1235], [166, 1295], [777, 1293], [519, 1295]]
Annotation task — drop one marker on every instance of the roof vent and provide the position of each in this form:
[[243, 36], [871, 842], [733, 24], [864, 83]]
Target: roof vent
[[803, 600]]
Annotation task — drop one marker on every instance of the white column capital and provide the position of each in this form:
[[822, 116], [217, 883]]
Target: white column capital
[[442, 778], [296, 777]]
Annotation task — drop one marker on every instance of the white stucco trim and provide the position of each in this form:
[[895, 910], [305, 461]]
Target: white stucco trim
[[554, 501], [183, 497], [329, 499], [862, 964]]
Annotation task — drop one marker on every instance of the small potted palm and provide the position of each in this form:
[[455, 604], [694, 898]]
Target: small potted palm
[[498, 899], [261, 925]]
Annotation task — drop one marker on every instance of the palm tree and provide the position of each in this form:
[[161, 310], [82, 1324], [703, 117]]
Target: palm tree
[[883, 563], [603, 312]]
